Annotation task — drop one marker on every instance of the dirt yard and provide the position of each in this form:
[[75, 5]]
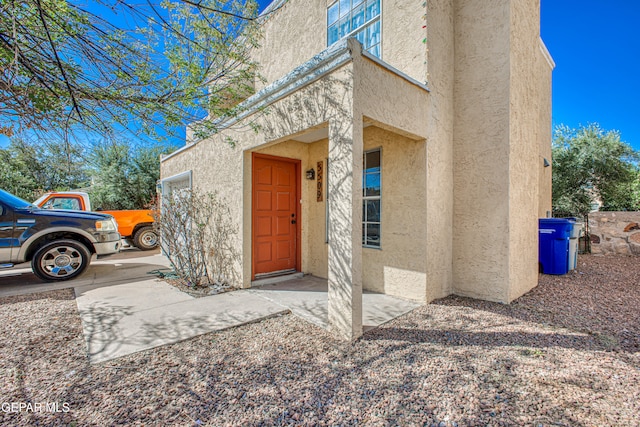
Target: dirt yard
[[566, 354]]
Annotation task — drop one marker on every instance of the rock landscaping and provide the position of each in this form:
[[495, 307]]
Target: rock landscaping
[[566, 354], [615, 233], [203, 289]]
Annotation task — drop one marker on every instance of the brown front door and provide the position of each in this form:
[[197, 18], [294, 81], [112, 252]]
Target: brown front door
[[275, 214]]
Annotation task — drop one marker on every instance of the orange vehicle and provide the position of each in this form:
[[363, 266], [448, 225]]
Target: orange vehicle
[[135, 226]]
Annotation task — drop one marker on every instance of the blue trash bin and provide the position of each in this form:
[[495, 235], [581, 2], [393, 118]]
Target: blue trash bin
[[553, 245]]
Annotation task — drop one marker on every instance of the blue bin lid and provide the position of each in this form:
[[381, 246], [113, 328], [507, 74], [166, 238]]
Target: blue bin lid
[[554, 221], [555, 227]]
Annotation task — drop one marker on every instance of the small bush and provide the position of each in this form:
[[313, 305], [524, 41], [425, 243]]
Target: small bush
[[197, 236]]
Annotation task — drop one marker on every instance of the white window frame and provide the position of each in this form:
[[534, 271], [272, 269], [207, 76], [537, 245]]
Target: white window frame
[[352, 33], [166, 191], [365, 198], [183, 176]]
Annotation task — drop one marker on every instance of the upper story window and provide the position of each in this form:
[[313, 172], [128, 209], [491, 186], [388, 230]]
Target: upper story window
[[355, 18]]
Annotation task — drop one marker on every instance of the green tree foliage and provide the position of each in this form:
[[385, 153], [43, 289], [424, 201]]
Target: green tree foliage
[[114, 64], [33, 168], [124, 175], [591, 165], [635, 190]]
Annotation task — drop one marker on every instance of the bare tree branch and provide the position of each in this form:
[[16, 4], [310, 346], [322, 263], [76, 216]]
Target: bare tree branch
[[58, 62]]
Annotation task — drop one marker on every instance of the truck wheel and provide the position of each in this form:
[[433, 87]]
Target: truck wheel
[[60, 260], [145, 239]]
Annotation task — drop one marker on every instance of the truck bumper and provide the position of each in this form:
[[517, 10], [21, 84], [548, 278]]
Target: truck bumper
[[107, 248]]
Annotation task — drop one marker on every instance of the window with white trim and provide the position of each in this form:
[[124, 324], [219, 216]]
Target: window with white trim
[[355, 18], [371, 198]]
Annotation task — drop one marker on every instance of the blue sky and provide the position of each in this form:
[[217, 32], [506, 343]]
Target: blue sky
[[596, 47]]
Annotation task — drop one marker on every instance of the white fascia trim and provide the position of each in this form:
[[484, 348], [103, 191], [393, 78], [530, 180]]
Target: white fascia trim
[[320, 65], [547, 54], [275, 4], [165, 157]]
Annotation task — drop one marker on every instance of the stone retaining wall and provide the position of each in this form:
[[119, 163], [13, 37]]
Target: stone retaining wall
[[615, 233]]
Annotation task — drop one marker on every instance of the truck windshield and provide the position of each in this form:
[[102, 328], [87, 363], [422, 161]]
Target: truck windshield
[[14, 201]]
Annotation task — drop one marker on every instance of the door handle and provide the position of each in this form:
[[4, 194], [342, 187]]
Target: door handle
[[293, 221]]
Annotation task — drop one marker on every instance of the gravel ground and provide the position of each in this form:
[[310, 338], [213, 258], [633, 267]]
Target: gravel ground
[[566, 354]]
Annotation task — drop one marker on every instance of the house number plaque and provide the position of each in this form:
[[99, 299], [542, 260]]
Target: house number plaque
[[319, 183]]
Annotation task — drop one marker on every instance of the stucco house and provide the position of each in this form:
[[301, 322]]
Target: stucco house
[[405, 150]]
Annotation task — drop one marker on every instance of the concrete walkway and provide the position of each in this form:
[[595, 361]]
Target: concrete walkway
[[307, 298], [124, 319], [124, 309]]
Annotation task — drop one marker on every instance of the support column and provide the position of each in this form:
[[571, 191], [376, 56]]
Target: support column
[[345, 226]]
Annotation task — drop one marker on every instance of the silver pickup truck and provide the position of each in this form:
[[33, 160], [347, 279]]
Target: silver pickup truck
[[58, 243]]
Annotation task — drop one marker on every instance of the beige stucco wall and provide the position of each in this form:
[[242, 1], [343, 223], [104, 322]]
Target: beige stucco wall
[[502, 121], [481, 149], [463, 181], [524, 155], [298, 31], [440, 164], [403, 35], [218, 166], [318, 247], [544, 68], [399, 267], [390, 101], [290, 36]]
